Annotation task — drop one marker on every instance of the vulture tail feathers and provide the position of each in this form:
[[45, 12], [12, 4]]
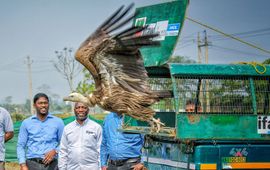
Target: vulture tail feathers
[[164, 94]]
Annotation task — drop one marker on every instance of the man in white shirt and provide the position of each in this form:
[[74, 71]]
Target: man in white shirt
[[80, 142], [6, 133]]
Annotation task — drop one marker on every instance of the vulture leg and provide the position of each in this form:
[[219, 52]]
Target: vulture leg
[[156, 125]]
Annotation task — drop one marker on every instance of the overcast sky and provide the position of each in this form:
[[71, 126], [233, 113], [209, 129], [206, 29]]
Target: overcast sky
[[37, 28]]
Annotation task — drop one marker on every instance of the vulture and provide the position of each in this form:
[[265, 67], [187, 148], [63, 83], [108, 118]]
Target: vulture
[[112, 55]]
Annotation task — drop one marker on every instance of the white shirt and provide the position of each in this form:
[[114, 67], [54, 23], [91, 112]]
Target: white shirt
[[6, 125], [80, 146]]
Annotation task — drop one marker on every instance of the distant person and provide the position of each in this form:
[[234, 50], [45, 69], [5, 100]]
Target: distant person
[[80, 143], [120, 151], [190, 106], [6, 133], [39, 137]]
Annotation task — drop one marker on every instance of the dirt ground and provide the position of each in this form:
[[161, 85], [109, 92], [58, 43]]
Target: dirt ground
[[12, 166]]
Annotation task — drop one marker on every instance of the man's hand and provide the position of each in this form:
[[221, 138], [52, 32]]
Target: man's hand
[[23, 167], [49, 156], [104, 168], [138, 166], [8, 136]]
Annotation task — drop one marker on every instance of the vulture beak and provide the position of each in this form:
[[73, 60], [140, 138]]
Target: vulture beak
[[66, 98]]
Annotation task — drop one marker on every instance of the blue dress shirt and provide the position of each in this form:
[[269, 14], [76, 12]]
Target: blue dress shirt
[[38, 137], [117, 145]]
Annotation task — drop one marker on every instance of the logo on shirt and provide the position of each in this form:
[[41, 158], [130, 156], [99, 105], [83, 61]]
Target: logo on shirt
[[89, 132]]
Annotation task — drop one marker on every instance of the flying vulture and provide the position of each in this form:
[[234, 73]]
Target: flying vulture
[[112, 56]]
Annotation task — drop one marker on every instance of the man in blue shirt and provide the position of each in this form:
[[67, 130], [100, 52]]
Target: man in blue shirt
[[120, 151], [39, 137]]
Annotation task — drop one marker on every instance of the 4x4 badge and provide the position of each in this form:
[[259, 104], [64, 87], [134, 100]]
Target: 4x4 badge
[[239, 152]]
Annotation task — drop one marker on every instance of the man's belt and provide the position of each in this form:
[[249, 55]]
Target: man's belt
[[120, 162], [39, 160]]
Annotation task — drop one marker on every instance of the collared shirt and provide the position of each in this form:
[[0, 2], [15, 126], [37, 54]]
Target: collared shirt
[[38, 137], [117, 145], [80, 146], [6, 125]]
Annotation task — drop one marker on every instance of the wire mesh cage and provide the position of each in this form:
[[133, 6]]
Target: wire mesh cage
[[224, 95], [162, 84], [262, 88], [213, 94]]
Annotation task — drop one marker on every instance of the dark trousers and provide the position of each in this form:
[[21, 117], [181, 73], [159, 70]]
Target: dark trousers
[[123, 164], [36, 164]]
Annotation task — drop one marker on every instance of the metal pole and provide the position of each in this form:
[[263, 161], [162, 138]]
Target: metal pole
[[200, 88], [29, 62], [206, 81]]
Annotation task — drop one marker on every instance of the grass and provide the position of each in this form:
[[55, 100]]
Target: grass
[[99, 116]]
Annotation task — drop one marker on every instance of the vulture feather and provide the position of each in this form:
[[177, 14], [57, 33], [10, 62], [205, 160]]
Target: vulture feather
[[115, 62]]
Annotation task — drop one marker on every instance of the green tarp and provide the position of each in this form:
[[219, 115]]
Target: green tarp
[[11, 146]]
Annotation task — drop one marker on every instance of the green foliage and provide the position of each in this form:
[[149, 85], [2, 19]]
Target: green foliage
[[15, 108], [267, 61], [86, 86], [56, 106], [99, 116], [180, 59], [63, 115], [17, 117]]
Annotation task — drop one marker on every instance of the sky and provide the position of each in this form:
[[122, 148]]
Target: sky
[[38, 28]]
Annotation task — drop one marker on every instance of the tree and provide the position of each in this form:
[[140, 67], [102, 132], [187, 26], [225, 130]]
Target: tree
[[26, 106], [67, 66], [87, 85], [8, 100], [180, 59], [7, 104], [267, 61]]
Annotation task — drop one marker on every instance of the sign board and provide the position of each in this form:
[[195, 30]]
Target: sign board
[[166, 19], [263, 124]]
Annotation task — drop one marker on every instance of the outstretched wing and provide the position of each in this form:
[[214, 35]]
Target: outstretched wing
[[112, 54]]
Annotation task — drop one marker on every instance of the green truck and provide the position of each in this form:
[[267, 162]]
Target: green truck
[[229, 131]]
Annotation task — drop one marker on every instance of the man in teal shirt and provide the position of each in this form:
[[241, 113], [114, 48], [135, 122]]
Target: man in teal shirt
[[39, 137]]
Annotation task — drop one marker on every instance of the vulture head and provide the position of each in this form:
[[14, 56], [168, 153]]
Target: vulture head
[[77, 97]]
